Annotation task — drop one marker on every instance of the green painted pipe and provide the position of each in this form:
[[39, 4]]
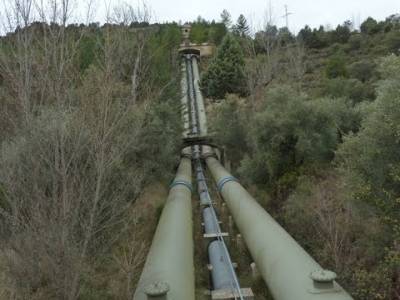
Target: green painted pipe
[[288, 270], [170, 259], [184, 104], [201, 111]]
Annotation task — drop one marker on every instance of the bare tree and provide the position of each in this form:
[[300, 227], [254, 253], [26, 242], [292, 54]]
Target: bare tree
[[130, 16], [263, 64], [296, 67], [333, 220], [18, 17], [130, 258], [67, 176]]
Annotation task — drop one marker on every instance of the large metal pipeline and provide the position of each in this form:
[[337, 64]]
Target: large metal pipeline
[[208, 218], [201, 111], [223, 275], [185, 104], [191, 93], [288, 270], [169, 265]]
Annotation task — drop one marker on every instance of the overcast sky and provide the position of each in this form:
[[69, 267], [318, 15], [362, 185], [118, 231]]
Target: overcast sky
[[311, 12]]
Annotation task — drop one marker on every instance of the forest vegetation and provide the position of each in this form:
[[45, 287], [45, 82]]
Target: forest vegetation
[[314, 132], [310, 122], [84, 110]]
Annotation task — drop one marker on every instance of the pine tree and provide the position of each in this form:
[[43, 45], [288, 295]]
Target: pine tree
[[226, 72], [241, 28], [226, 19]]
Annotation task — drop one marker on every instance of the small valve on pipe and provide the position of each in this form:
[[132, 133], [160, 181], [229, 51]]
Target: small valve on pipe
[[323, 281], [157, 291]]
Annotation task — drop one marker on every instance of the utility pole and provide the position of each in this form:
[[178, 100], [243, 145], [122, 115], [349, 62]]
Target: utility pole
[[286, 15], [270, 13]]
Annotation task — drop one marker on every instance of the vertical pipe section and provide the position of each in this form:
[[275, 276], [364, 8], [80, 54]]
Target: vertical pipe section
[[199, 97], [170, 259], [285, 266]]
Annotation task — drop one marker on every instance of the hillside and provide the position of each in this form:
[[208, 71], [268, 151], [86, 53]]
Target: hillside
[[91, 137], [313, 133]]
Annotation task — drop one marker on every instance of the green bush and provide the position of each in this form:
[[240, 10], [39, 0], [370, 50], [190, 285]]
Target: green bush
[[336, 67], [228, 123], [355, 41], [362, 70], [370, 26], [288, 131], [372, 154], [370, 163], [392, 41], [348, 88]]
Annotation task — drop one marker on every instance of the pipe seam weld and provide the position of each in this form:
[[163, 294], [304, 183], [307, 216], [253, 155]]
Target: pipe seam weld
[[182, 182], [224, 180]]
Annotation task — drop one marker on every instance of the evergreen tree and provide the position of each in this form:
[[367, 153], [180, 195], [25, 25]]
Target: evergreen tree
[[285, 36], [370, 26], [226, 72], [241, 28], [217, 32], [226, 19], [341, 34]]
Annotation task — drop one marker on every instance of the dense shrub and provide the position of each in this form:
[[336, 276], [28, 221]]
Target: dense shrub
[[370, 26], [371, 164], [336, 67], [228, 123], [291, 130], [349, 88], [377, 164], [362, 70], [392, 41]]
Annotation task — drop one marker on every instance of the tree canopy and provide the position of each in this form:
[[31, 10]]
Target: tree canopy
[[241, 27], [225, 73]]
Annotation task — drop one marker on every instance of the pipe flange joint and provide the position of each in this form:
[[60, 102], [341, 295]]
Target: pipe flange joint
[[224, 180], [181, 182]]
